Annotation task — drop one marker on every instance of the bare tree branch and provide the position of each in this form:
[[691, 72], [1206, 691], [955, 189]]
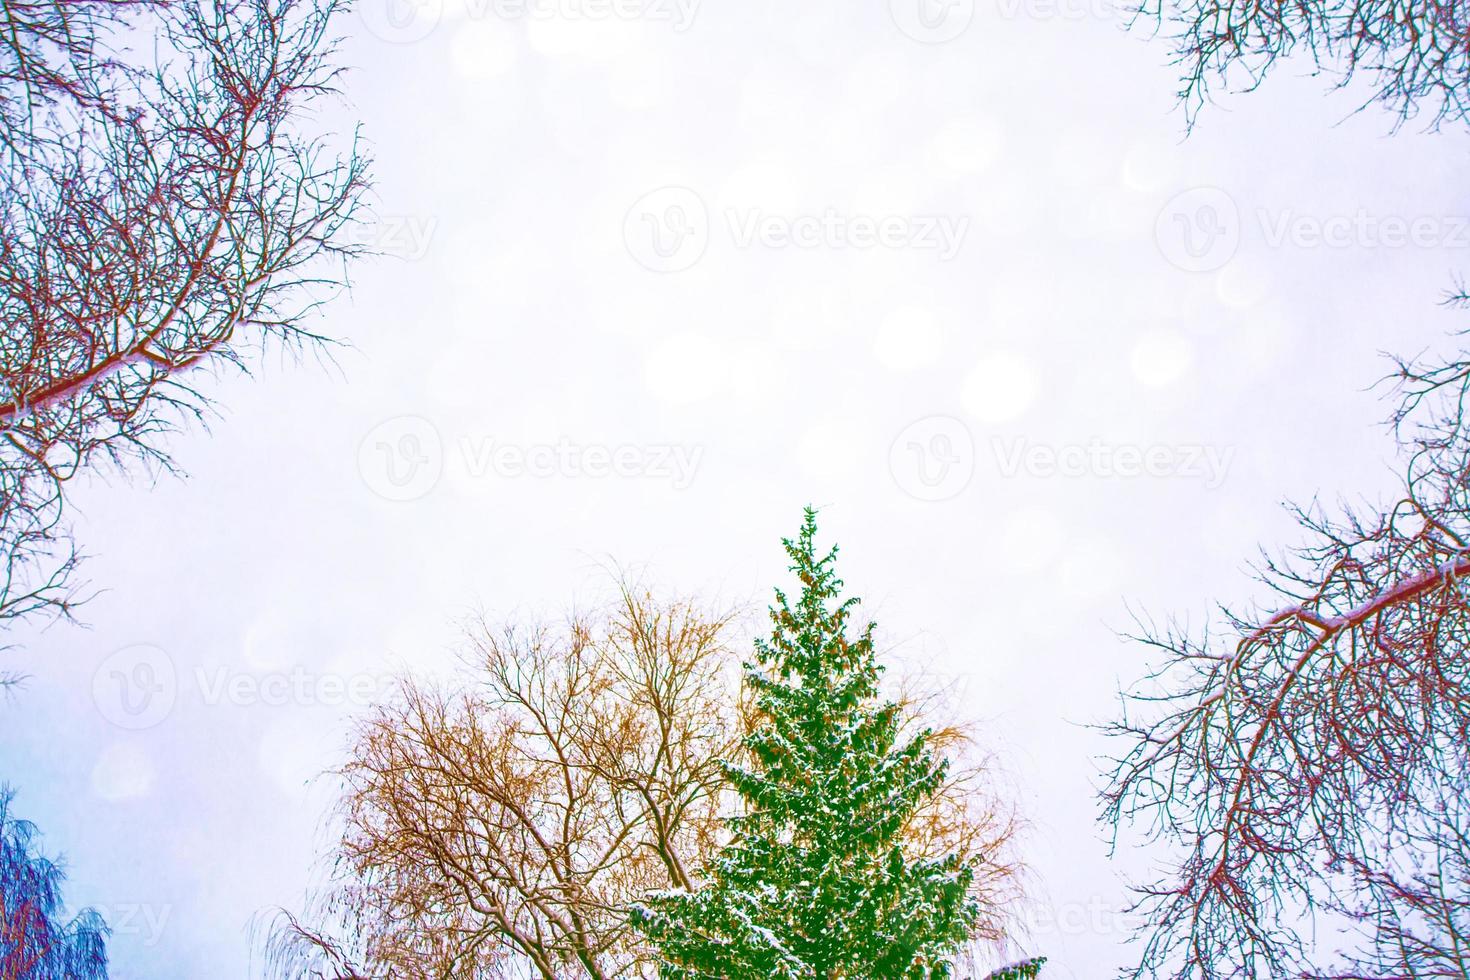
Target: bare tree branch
[[1415, 56], [1301, 762], [154, 219]]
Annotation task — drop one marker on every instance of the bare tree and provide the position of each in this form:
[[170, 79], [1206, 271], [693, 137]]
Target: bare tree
[[1416, 56], [155, 216], [968, 817], [499, 829], [502, 829], [1310, 765], [1418, 909]]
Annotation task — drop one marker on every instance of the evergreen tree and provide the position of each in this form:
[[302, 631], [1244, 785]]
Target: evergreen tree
[[815, 884]]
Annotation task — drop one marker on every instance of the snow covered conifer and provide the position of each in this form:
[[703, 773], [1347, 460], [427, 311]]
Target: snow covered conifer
[[815, 883]]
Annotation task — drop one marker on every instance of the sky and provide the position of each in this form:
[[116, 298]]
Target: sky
[[657, 275]]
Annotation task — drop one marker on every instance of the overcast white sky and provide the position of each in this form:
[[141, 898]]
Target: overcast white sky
[[665, 274]]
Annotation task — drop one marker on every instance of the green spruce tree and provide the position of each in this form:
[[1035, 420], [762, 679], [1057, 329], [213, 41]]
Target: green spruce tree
[[815, 883]]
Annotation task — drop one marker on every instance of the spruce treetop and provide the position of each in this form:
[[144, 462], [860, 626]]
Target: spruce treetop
[[815, 883]]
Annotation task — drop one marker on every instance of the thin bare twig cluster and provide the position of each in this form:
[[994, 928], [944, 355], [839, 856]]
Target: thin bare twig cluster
[[154, 217], [1310, 766], [499, 829], [1415, 56]]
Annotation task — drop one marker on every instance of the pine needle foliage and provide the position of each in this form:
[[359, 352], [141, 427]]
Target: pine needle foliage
[[815, 883]]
